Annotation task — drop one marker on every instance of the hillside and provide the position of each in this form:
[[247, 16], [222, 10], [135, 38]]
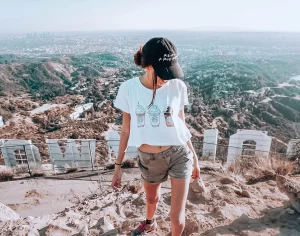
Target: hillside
[[45, 79], [235, 80], [236, 99]]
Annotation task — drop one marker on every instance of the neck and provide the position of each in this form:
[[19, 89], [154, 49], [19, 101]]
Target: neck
[[147, 81]]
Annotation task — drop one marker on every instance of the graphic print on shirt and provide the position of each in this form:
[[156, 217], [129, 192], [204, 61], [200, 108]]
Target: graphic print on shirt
[[140, 113], [154, 115], [168, 112]]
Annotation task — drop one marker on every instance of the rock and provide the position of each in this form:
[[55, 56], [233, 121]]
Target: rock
[[291, 189], [245, 193], [29, 218], [243, 187], [272, 190], [127, 225], [22, 182], [84, 231], [290, 211], [134, 196], [113, 232], [56, 229], [229, 189], [227, 180], [140, 201], [197, 186], [237, 190], [24, 230], [191, 226], [271, 182], [7, 214], [105, 227]]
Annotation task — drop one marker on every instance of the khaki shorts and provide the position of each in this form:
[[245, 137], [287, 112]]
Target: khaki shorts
[[176, 162]]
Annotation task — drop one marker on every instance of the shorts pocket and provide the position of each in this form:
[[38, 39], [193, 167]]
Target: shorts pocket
[[141, 166], [187, 152], [144, 159]]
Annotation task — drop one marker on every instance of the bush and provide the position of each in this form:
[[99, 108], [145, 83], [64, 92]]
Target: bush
[[38, 174], [20, 169], [286, 111], [135, 188], [269, 118], [258, 168], [71, 168], [6, 174], [128, 163], [5, 114]]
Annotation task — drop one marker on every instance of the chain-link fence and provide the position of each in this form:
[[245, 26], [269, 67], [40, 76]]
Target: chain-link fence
[[70, 155]]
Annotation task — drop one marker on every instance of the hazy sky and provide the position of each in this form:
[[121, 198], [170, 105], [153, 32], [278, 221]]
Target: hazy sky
[[92, 15]]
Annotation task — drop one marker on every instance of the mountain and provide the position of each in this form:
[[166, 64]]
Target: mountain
[[46, 79]]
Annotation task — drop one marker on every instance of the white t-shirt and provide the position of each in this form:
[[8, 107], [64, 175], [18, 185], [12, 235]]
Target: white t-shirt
[[158, 125]]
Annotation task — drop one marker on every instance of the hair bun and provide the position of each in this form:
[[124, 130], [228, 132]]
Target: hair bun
[[138, 58]]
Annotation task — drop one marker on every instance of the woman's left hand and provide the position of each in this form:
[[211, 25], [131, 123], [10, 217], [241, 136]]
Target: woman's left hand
[[196, 172]]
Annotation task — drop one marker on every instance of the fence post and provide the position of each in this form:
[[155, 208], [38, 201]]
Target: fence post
[[24, 148], [90, 152], [71, 145], [109, 150]]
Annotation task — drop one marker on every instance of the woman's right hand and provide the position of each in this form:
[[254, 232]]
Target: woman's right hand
[[116, 179]]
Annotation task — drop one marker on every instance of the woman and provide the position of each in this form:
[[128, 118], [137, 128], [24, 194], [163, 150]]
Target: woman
[[153, 121]]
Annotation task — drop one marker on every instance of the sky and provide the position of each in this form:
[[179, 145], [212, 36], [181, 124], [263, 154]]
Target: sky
[[26, 16]]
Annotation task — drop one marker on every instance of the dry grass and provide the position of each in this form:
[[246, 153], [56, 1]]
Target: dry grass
[[128, 163], [20, 169], [134, 188], [38, 174], [35, 169], [71, 168], [110, 166], [257, 169], [6, 175]]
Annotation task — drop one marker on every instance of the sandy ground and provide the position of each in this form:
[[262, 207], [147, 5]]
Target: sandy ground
[[79, 204], [36, 197]]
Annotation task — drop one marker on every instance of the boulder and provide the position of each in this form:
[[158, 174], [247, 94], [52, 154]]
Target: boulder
[[7, 214], [105, 228], [197, 186], [227, 180], [291, 189]]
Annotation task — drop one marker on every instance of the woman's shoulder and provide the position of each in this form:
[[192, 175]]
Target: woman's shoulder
[[178, 83], [130, 82]]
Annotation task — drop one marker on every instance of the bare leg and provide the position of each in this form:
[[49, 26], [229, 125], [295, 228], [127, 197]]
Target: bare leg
[[179, 193], [152, 197]]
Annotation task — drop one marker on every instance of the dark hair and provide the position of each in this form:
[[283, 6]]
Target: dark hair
[[141, 61]]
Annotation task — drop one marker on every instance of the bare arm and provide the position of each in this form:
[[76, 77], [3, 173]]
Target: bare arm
[[123, 138], [189, 143]]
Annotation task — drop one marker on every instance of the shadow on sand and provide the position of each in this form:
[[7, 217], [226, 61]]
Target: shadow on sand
[[282, 219]]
